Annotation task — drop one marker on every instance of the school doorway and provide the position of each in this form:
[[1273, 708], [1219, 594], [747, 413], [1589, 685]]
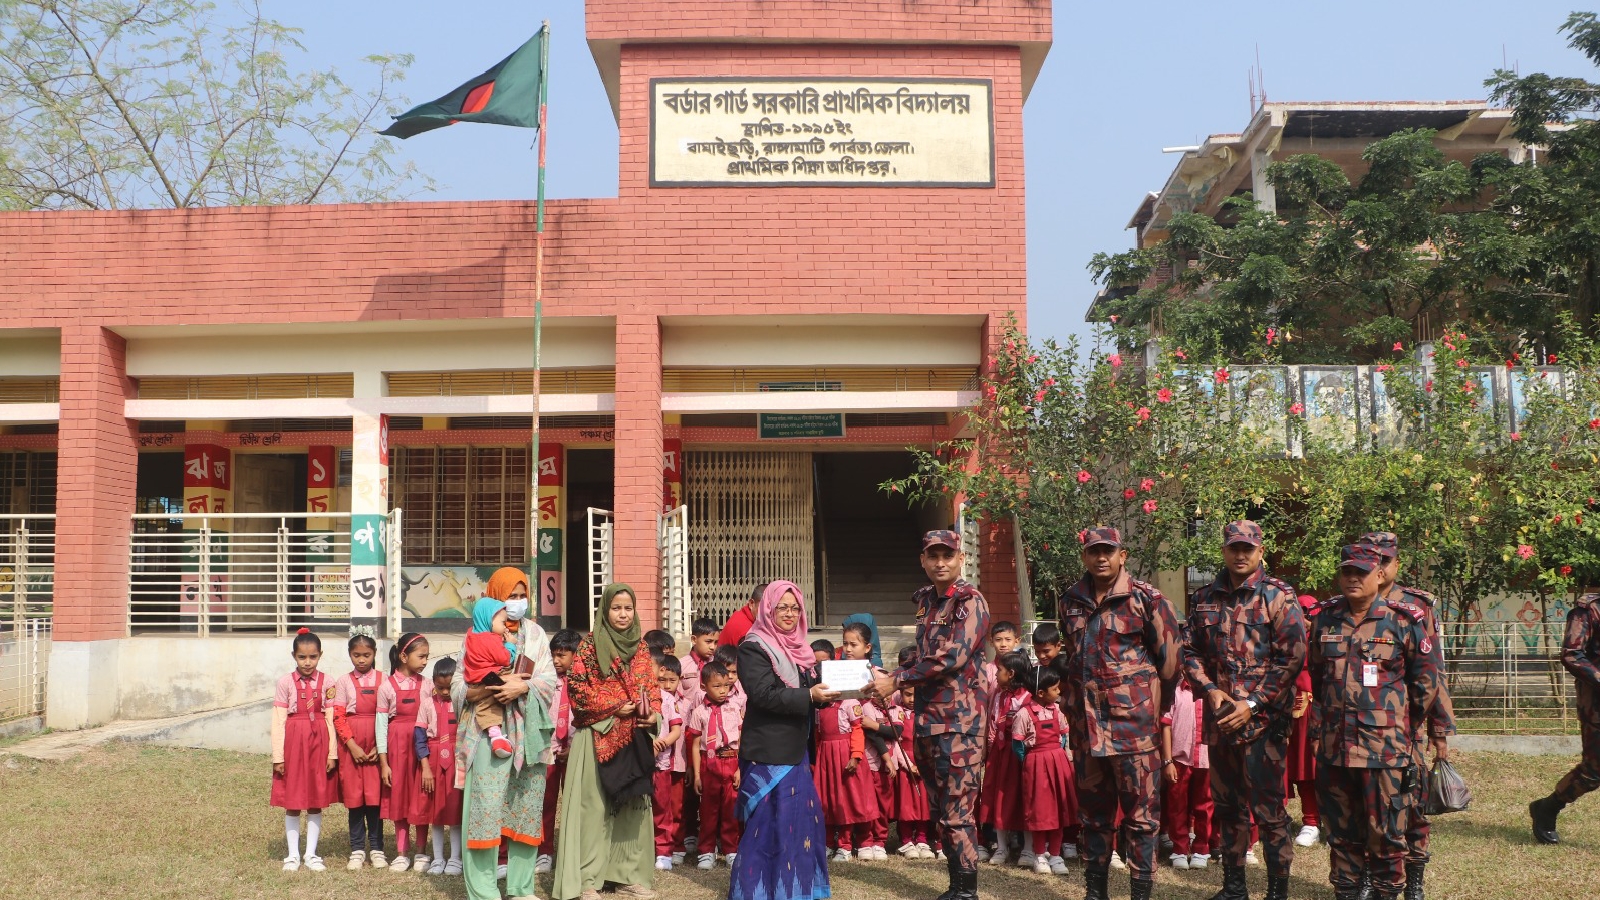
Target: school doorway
[[867, 539], [590, 484]]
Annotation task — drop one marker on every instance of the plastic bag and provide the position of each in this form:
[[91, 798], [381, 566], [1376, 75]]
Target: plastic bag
[[1447, 791]]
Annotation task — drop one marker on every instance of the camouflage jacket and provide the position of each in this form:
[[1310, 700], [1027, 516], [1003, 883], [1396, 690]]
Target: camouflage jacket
[[1373, 681], [1250, 643], [1119, 664], [1580, 653], [1442, 715], [951, 695]]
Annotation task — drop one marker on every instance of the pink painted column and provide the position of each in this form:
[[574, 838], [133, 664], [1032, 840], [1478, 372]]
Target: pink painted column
[[638, 473]]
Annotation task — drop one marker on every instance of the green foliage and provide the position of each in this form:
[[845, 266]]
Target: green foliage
[[117, 104]]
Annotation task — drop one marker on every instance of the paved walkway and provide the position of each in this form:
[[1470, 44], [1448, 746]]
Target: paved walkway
[[60, 745]]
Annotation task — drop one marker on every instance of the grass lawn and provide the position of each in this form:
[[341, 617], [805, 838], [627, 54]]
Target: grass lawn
[[136, 821]]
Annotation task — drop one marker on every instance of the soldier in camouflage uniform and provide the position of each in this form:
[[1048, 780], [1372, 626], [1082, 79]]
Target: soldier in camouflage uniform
[[1120, 656], [1580, 653], [1244, 645], [952, 703], [1441, 717], [1374, 676]]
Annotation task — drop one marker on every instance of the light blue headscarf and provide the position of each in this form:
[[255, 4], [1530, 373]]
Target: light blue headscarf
[[872, 626], [483, 613]]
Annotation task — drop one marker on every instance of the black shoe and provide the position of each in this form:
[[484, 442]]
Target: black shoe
[[1543, 812], [1140, 888], [1277, 886], [1414, 881], [1234, 886], [966, 884], [1365, 891], [1095, 884]]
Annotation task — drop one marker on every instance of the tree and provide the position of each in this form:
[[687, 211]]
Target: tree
[[118, 104], [1554, 204], [1340, 270]]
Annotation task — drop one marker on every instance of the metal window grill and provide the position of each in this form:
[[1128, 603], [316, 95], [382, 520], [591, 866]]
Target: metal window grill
[[750, 522], [465, 505], [27, 571], [24, 666]]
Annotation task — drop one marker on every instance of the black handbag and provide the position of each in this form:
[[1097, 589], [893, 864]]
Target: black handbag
[[1447, 791]]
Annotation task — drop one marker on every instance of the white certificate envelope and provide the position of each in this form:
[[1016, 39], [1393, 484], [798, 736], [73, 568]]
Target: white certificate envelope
[[847, 676]]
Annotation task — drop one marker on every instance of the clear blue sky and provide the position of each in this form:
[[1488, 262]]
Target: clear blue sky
[[1122, 81]]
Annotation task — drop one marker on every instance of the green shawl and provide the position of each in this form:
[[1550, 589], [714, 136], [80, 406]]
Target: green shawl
[[610, 645]]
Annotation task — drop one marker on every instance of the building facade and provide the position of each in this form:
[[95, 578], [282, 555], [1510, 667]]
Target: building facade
[[219, 424]]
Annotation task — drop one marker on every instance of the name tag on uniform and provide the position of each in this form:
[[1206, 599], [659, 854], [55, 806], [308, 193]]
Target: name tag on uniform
[[1332, 638], [1369, 674]]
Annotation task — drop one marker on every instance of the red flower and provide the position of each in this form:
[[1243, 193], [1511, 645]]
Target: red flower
[[1221, 376], [1144, 413], [1083, 477], [1083, 535], [1032, 359], [1566, 571], [1128, 494], [1577, 519], [1556, 521], [1552, 359], [1271, 333], [1594, 424], [1398, 346], [1428, 386], [1180, 354], [1461, 364], [1468, 388], [1150, 506], [1114, 319], [1147, 485], [1297, 408], [1115, 359], [1509, 363], [1049, 382], [1038, 395], [1385, 368], [1164, 395], [1516, 435], [1525, 551]]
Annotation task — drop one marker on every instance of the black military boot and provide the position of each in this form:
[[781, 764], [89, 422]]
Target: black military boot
[[966, 884], [1140, 888], [1365, 891], [1544, 812], [1094, 881], [1234, 886], [1414, 880], [1277, 885]]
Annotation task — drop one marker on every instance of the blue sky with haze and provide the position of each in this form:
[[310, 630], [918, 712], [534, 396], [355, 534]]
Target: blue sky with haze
[[1122, 81]]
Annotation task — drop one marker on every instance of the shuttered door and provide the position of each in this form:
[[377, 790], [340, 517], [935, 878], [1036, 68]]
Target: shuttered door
[[750, 521]]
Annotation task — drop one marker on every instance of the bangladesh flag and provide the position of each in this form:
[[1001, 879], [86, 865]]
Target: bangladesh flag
[[507, 94]]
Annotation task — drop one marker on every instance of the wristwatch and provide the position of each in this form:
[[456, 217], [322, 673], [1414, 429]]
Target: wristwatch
[[1251, 704]]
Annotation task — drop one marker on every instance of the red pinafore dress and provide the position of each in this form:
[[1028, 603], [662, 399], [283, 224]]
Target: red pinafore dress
[[404, 799], [910, 793], [305, 782], [1047, 775], [846, 799], [1000, 803], [361, 784], [444, 804]]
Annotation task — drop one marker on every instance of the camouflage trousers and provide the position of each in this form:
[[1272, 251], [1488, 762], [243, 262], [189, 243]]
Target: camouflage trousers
[[1585, 777], [1130, 783], [1418, 828], [952, 770], [1365, 811], [1252, 779]]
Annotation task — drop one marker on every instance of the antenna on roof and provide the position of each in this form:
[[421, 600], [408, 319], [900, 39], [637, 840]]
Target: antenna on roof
[[1258, 85]]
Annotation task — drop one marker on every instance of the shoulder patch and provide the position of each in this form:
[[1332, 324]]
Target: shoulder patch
[[328, 694], [1148, 589], [1410, 609], [1419, 595], [1281, 585]]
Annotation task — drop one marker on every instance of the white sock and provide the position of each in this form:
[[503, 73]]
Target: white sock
[[1003, 841], [291, 831], [313, 832], [438, 842], [455, 842]]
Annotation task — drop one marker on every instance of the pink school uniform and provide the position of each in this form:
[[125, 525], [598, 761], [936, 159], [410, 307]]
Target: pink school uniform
[[849, 801], [1046, 774], [717, 728], [1186, 806], [668, 799], [355, 708], [305, 744], [910, 806], [401, 698], [1001, 801], [438, 721]]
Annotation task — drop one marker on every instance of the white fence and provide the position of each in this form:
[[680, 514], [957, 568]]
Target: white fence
[[254, 573], [24, 663], [27, 570]]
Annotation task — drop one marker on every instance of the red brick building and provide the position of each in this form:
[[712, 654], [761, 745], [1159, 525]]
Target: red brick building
[[170, 372]]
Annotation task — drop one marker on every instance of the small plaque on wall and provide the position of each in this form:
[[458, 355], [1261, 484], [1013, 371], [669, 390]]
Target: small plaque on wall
[[768, 132]]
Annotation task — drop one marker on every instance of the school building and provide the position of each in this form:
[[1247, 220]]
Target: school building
[[219, 425]]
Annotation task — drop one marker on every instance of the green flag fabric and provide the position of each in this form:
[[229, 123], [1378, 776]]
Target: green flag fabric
[[507, 94]]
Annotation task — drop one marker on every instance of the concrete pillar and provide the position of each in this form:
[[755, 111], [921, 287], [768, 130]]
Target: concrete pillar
[[98, 463], [638, 471], [1260, 186], [369, 520]]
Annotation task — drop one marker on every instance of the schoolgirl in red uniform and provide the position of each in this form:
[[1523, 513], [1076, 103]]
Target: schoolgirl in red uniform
[[910, 806], [1000, 804], [435, 743], [868, 718], [1039, 727], [400, 699], [304, 753], [844, 785], [355, 714]]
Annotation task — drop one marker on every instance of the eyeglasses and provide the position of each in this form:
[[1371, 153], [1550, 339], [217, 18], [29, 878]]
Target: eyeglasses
[[789, 608]]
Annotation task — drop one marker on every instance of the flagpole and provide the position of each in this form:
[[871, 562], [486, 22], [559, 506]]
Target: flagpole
[[536, 590]]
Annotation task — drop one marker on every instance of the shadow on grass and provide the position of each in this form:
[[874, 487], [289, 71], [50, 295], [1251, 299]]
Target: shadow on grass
[[1000, 882]]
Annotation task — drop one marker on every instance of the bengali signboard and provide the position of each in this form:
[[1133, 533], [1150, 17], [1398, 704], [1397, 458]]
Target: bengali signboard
[[792, 426], [765, 132]]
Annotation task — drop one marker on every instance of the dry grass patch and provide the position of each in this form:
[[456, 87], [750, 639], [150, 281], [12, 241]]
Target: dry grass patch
[[137, 821]]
